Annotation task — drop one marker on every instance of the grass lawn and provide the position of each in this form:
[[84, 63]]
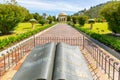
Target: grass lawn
[[21, 28], [100, 28], [101, 32], [22, 31]]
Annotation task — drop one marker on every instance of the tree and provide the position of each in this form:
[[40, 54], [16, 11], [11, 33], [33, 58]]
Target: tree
[[10, 16], [28, 17], [37, 16], [50, 19], [68, 18], [54, 18], [42, 21], [91, 22], [14, 2], [111, 12], [74, 19], [33, 21], [82, 19]]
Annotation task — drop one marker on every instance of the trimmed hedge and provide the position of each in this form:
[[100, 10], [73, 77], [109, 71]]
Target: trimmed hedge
[[109, 40], [13, 39]]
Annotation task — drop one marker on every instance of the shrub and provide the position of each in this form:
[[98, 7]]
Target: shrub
[[42, 21], [10, 16], [33, 21], [12, 39], [91, 22], [111, 12], [106, 39], [74, 19], [82, 19]]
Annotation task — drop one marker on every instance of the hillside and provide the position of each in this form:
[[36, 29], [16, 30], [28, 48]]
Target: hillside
[[93, 12]]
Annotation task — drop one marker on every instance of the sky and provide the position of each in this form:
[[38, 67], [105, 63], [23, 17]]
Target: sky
[[54, 7]]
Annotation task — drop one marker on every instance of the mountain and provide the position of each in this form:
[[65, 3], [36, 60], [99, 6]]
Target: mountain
[[93, 12]]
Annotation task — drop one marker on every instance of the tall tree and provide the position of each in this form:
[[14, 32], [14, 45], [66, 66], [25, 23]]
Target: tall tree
[[111, 12], [74, 19], [82, 19], [10, 16]]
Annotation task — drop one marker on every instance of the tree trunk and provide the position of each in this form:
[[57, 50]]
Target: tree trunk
[[32, 25], [91, 26]]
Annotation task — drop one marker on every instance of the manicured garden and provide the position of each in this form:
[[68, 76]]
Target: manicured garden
[[101, 33], [22, 31], [105, 28]]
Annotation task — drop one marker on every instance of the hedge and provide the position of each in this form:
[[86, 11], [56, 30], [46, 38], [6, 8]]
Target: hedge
[[108, 40], [13, 39]]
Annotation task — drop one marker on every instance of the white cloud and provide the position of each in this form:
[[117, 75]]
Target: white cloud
[[43, 5]]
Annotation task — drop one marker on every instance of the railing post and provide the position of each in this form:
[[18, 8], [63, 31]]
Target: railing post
[[109, 67], [4, 62], [8, 59], [106, 57], [83, 43], [114, 67], [119, 74], [102, 59], [34, 40]]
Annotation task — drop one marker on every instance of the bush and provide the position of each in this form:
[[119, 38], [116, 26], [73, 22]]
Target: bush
[[12, 39], [106, 39], [111, 12], [50, 19], [10, 16], [42, 21], [91, 22], [82, 19], [74, 19]]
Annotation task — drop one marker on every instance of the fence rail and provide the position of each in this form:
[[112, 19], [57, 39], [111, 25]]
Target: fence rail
[[11, 57]]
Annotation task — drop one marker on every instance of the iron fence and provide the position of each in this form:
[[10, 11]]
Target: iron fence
[[12, 56], [110, 66]]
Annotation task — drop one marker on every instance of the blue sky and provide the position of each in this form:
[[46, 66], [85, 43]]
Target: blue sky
[[54, 7]]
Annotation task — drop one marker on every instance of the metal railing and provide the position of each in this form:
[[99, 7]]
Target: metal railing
[[12, 56], [109, 65]]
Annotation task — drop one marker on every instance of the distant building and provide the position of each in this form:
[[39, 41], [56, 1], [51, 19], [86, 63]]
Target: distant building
[[62, 17], [45, 16]]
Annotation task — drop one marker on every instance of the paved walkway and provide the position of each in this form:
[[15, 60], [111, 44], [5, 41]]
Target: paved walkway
[[60, 30]]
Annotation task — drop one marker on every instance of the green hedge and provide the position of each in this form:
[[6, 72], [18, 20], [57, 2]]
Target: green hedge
[[13, 39], [109, 40]]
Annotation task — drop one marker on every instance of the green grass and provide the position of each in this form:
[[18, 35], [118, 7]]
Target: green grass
[[22, 31], [21, 28], [100, 28], [101, 32]]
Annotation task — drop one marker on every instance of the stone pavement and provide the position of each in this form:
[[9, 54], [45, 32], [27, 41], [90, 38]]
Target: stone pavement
[[60, 30]]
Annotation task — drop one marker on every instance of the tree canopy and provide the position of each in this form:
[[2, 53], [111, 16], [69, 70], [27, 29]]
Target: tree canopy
[[10, 16], [111, 12]]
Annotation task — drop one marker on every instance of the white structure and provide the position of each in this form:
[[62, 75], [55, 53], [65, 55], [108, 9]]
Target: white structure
[[62, 17]]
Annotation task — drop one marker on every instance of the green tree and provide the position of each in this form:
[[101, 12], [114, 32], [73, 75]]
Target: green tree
[[111, 12], [68, 18], [91, 22], [54, 18], [10, 16], [11, 2], [82, 19], [74, 19], [28, 17], [50, 19], [42, 21], [33, 21], [37, 16]]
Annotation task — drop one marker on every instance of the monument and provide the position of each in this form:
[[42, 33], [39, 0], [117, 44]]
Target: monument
[[62, 17]]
